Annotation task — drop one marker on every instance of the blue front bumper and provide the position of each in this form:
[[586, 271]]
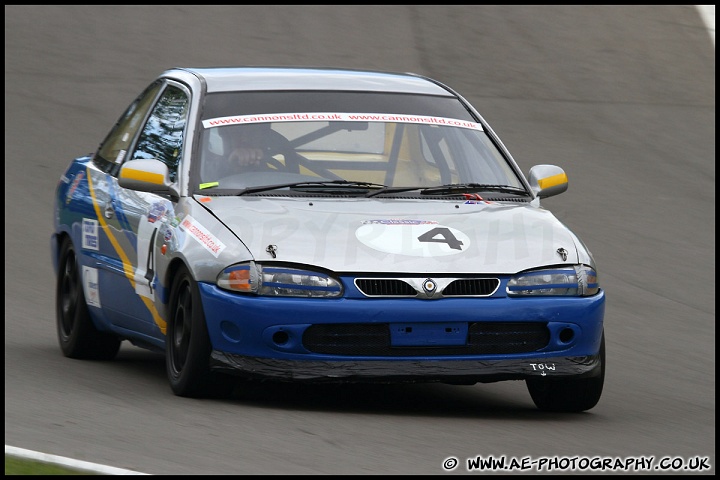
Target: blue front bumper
[[263, 337]]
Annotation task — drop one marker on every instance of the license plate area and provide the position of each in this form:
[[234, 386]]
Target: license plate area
[[428, 334]]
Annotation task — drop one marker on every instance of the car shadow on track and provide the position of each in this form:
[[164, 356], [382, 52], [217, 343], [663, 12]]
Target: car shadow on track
[[508, 399]]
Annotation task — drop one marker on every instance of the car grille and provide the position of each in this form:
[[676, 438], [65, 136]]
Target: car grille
[[377, 287], [374, 340], [471, 287], [394, 287]]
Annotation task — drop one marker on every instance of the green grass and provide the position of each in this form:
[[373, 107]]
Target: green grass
[[21, 466]]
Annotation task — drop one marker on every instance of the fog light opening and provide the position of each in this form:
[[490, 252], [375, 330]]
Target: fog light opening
[[566, 335], [280, 337]]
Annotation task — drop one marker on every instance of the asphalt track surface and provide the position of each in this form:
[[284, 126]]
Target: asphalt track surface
[[622, 97]]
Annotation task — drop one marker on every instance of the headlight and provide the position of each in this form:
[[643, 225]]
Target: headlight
[[578, 280], [277, 281]]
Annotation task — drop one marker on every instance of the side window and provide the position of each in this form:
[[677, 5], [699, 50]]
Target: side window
[[162, 137], [114, 148]]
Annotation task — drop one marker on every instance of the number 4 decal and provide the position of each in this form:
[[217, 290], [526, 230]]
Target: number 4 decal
[[145, 271], [441, 235], [150, 272]]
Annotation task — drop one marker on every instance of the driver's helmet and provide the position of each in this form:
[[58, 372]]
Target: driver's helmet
[[248, 135]]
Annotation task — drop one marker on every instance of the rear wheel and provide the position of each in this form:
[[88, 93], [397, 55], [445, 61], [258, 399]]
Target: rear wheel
[[77, 334], [188, 345], [568, 395]]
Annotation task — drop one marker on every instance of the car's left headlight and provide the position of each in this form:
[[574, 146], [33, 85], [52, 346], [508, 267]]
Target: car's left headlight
[[577, 281], [278, 281]]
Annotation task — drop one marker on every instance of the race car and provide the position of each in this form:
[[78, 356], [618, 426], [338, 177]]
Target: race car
[[323, 225]]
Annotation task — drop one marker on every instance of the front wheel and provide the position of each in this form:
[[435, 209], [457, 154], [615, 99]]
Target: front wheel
[[77, 334], [187, 344], [568, 395]]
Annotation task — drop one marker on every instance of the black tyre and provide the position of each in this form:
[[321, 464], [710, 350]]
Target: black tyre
[[568, 395], [188, 345], [77, 334]]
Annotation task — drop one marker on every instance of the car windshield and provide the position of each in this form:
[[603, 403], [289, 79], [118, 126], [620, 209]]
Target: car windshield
[[354, 150]]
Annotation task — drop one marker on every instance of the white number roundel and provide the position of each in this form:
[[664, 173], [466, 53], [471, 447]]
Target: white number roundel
[[417, 239]]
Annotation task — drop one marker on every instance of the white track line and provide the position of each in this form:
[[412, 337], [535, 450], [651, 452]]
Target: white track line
[[707, 12], [68, 462]]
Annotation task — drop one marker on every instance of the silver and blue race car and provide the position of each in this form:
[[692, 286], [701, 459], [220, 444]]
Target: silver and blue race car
[[323, 225]]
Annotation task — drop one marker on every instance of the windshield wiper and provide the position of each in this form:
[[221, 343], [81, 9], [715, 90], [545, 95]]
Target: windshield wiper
[[344, 185], [453, 188], [392, 190], [456, 188], [327, 184]]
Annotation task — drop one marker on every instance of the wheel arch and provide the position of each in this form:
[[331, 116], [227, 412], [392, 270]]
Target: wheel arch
[[167, 280], [56, 243]]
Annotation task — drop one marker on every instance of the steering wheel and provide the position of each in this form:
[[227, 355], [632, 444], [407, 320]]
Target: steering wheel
[[263, 160], [270, 160]]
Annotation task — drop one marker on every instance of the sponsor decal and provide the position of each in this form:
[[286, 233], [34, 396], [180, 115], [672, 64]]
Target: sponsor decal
[[121, 155], [474, 199], [340, 117], [211, 243], [157, 211], [90, 235], [74, 186], [399, 222], [90, 286]]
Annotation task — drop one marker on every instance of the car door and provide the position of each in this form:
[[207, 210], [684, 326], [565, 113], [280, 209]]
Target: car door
[[136, 222]]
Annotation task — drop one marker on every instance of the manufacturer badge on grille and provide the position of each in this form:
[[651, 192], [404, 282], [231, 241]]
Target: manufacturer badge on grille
[[429, 286]]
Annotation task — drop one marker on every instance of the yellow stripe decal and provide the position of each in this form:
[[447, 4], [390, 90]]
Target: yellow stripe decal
[[131, 174], [127, 267], [553, 181]]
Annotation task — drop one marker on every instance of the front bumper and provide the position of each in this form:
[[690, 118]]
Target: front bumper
[[408, 371], [267, 337]]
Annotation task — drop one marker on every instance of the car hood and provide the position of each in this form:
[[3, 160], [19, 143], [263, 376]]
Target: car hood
[[398, 235]]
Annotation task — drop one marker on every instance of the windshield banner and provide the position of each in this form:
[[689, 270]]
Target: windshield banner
[[339, 117]]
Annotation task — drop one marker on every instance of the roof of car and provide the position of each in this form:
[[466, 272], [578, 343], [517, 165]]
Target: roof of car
[[220, 79]]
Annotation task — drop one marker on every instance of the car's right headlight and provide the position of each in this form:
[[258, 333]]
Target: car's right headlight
[[576, 280], [278, 281]]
